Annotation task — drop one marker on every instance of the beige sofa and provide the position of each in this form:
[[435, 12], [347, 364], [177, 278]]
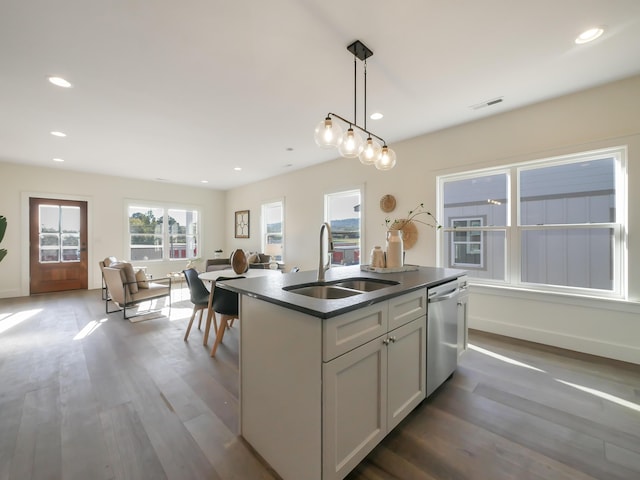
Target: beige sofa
[[255, 260], [214, 264]]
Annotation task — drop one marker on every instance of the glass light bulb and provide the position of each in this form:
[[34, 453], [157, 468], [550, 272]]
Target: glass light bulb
[[386, 160], [328, 134], [370, 152], [351, 145]]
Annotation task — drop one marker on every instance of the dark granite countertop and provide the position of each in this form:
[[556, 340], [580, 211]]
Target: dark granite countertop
[[270, 288]]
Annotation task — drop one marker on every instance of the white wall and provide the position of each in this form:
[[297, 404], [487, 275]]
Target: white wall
[[601, 117], [106, 197], [597, 118]]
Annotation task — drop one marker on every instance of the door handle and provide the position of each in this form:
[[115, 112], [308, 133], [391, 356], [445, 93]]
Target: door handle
[[440, 298]]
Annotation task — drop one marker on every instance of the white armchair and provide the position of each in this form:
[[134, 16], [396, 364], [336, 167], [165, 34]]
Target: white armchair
[[128, 290]]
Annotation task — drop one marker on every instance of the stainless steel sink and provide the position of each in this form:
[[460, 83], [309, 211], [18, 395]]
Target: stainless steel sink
[[324, 291], [340, 288], [366, 284]]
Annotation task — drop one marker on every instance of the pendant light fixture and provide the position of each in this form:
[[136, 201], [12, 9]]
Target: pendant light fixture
[[351, 144]]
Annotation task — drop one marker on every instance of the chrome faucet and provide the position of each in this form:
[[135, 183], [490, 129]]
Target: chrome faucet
[[323, 267]]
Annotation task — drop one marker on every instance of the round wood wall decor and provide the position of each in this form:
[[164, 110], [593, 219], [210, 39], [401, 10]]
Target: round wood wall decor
[[388, 203]]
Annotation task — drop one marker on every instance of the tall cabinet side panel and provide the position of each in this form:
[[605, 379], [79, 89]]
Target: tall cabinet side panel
[[281, 387]]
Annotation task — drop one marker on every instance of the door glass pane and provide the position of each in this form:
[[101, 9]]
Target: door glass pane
[[49, 241], [577, 257], [49, 219], [581, 192], [70, 233], [70, 219], [49, 247]]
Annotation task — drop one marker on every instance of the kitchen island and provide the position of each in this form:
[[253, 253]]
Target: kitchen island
[[322, 381]]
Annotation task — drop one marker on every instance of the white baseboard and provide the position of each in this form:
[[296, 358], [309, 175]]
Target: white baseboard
[[572, 341], [12, 293]]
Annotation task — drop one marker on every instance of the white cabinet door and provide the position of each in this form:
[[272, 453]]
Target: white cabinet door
[[406, 369], [355, 407]]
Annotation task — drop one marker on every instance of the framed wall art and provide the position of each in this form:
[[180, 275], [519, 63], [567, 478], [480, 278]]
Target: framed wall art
[[242, 224]]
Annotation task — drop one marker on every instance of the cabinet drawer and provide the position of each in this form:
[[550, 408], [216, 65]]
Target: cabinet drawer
[[407, 307], [346, 332]]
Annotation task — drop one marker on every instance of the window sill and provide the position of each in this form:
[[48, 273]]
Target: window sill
[[585, 301]]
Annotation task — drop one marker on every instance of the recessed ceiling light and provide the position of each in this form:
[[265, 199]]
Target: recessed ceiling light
[[58, 134], [60, 82], [59, 160], [376, 116], [204, 181], [589, 35], [237, 169]]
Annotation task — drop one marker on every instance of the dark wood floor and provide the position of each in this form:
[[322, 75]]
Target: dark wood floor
[[86, 396]]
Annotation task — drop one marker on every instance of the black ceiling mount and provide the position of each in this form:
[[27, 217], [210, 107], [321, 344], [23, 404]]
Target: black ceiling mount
[[360, 50]]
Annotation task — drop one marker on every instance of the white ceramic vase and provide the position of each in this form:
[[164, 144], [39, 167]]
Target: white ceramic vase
[[395, 249]]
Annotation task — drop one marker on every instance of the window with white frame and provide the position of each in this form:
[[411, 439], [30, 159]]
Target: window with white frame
[[342, 212], [162, 233], [273, 230], [554, 224]]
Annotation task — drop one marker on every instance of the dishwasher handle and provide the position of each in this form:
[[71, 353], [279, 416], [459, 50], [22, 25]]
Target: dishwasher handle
[[446, 296]]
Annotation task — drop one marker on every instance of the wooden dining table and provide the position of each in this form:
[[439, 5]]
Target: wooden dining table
[[228, 273]]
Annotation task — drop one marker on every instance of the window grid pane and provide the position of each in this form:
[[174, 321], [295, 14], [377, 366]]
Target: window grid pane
[[343, 215], [573, 257], [272, 230], [568, 194], [146, 233], [183, 233], [483, 196]]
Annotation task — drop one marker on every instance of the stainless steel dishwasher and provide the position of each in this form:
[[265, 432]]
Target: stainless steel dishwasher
[[442, 333]]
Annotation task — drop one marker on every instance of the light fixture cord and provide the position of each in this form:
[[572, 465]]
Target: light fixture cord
[[365, 93], [355, 97]]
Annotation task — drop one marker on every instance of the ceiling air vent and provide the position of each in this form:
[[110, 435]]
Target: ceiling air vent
[[487, 103]]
